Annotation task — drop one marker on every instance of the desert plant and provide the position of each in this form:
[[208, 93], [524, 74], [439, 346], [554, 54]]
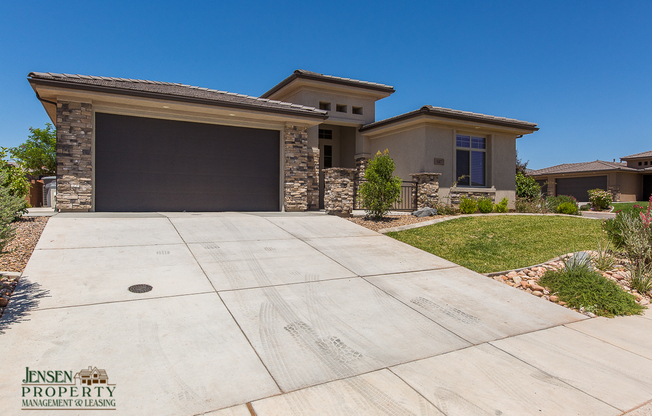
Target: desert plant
[[640, 277], [527, 187], [629, 233], [603, 260], [600, 199], [581, 287], [485, 205], [567, 208], [501, 206], [524, 205], [381, 189], [552, 202], [577, 261], [10, 207], [468, 205]]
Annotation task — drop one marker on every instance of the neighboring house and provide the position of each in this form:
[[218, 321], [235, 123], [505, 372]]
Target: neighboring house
[[134, 145], [628, 180], [92, 376]]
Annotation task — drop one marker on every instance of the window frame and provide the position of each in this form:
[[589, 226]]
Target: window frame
[[471, 149]]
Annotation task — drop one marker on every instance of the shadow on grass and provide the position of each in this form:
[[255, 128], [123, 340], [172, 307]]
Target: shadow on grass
[[25, 298]]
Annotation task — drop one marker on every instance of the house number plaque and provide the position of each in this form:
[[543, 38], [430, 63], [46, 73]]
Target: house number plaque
[[439, 161]]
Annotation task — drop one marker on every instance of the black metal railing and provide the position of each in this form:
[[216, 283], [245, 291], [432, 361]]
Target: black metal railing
[[406, 203]]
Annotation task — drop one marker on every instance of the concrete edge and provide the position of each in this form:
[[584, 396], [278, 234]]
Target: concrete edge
[[11, 274]]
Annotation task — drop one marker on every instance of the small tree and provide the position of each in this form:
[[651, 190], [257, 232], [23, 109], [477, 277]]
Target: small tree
[[14, 184], [381, 189], [527, 187], [38, 155]]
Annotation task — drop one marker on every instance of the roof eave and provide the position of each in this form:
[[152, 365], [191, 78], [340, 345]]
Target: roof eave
[[295, 75], [453, 116], [172, 97]]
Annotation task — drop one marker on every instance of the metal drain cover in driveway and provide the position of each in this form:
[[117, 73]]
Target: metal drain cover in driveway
[[140, 288]]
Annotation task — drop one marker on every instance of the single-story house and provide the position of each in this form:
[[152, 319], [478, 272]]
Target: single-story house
[[628, 180], [136, 145]]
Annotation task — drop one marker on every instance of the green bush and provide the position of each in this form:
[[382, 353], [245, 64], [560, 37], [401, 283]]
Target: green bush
[[501, 206], [585, 207], [444, 209], [600, 199], [527, 187], [468, 205], [567, 208], [588, 289], [485, 205], [381, 189], [14, 181], [10, 208], [553, 202]]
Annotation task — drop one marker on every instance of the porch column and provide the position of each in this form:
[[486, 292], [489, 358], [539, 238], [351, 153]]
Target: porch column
[[295, 168], [74, 156], [338, 191], [425, 189]]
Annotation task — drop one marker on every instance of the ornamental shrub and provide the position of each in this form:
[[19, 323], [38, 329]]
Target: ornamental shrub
[[468, 205], [600, 199], [14, 182], [501, 206], [553, 202], [485, 205], [524, 205], [381, 189], [567, 208], [11, 207], [527, 187]]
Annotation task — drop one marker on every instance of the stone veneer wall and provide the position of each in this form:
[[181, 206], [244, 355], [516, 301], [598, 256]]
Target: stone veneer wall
[[74, 156], [338, 191], [360, 168], [457, 193], [296, 168], [615, 192], [313, 178], [425, 189]]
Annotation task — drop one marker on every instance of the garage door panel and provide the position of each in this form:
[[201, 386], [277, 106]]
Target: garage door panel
[[579, 187], [163, 165]]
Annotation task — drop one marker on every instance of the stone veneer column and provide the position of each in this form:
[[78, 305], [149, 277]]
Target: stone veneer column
[[313, 178], [425, 189], [296, 168], [360, 168], [338, 191], [74, 156]]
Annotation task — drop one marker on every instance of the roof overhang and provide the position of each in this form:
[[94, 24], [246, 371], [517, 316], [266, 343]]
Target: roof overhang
[[299, 80], [49, 92], [421, 117]]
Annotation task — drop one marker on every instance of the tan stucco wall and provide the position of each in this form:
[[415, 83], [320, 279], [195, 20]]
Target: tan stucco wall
[[312, 98], [415, 149]]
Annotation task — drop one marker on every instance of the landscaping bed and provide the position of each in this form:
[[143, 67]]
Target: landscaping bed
[[391, 221], [28, 232], [528, 280]]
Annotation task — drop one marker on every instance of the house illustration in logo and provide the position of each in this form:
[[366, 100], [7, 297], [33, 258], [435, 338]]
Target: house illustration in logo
[[93, 375]]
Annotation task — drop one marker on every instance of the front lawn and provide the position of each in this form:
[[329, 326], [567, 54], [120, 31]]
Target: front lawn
[[496, 243], [628, 206]]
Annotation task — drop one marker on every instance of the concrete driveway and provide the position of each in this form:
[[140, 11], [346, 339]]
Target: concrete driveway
[[300, 314]]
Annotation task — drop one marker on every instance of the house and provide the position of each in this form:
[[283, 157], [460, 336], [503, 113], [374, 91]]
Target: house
[[136, 145], [628, 180], [92, 376]]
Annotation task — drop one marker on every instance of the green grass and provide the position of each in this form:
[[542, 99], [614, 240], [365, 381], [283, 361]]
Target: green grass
[[628, 206], [496, 243], [584, 288]]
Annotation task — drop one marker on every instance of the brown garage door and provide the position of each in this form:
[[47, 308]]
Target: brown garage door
[[578, 187], [145, 164]]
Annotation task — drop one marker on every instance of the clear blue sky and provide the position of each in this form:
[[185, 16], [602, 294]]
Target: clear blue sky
[[582, 70]]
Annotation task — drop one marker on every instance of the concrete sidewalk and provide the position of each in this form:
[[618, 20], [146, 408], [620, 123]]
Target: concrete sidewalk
[[284, 314]]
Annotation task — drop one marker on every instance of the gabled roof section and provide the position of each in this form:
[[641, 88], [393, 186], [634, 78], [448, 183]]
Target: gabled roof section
[[638, 155], [595, 166], [455, 115], [315, 76], [170, 91]]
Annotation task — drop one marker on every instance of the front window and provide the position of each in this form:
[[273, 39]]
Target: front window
[[328, 157], [471, 160]]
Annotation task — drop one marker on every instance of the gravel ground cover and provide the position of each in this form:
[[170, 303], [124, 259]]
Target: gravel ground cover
[[28, 232], [391, 221], [528, 281]]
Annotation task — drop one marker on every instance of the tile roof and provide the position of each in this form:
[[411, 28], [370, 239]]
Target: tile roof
[[455, 114], [302, 73], [175, 90], [597, 165], [637, 155]]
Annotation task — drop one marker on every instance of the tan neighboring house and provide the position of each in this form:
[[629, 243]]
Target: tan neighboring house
[[628, 180], [138, 145]]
